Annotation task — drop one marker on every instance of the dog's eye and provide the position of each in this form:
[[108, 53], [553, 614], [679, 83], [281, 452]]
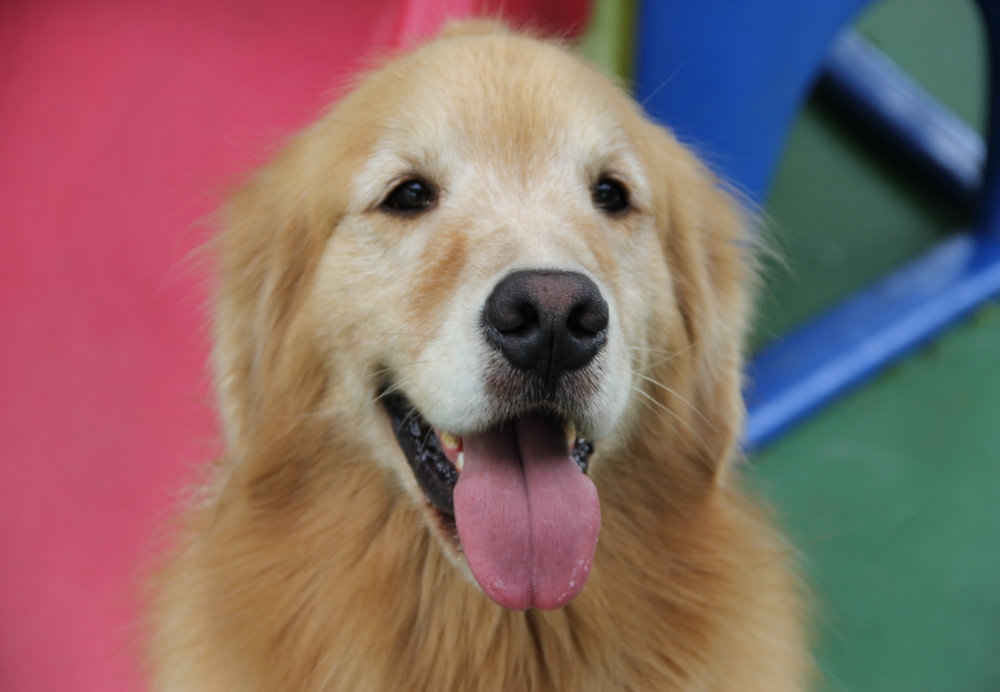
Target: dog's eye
[[610, 195], [409, 197]]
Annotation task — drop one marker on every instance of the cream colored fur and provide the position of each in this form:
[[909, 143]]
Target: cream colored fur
[[312, 561]]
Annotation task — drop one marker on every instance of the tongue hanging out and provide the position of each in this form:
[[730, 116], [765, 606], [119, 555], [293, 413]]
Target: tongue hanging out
[[527, 517]]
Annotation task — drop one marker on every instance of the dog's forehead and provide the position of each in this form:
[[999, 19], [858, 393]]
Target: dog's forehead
[[521, 106]]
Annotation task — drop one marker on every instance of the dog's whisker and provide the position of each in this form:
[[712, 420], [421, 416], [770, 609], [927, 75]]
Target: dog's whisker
[[377, 374], [667, 355], [653, 350], [409, 415], [671, 391], [699, 459], [666, 409], [663, 407], [394, 388]]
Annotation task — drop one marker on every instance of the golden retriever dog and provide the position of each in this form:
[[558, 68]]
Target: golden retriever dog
[[478, 343]]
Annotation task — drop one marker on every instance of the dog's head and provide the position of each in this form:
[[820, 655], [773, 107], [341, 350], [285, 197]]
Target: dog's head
[[486, 271]]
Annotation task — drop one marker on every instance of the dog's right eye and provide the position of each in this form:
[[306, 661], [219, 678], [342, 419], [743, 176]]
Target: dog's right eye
[[610, 195], [409, 197]]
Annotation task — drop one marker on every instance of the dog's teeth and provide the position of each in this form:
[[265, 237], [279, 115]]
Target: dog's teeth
[[460, 461], [450, 441], [570, 434]]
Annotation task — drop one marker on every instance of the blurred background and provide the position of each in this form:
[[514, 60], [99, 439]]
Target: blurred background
[[893, 492], [123, 124]]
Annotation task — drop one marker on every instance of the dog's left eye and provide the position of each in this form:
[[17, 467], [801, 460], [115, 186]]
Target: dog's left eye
[[610, 195], [409, 197]]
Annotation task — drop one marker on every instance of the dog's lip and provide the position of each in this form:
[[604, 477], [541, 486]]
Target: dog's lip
[[424, 453], [435, 472]]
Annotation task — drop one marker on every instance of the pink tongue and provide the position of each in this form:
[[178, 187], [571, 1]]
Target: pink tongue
[[527, 517]]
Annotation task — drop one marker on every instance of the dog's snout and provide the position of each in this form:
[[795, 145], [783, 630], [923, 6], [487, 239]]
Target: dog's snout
[[547, 322]]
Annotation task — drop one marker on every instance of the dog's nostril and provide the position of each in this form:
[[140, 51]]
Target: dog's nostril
[[587, 320], [546, 322], [527, 321], [511, 316]]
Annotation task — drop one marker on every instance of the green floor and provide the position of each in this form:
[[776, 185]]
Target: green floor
[[893, 497], [892, 494]]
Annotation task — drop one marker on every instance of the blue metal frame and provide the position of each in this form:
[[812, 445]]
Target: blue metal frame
[[852, 341], [729, 76], [866, 88]]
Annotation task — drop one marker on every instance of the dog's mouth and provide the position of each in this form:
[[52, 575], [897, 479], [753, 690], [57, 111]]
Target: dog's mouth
[[516, 495]]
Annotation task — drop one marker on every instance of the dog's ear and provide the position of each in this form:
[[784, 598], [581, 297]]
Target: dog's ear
[[708, 244], [275, 231]]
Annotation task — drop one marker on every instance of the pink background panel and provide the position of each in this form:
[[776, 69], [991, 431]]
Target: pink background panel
[[122, 123]]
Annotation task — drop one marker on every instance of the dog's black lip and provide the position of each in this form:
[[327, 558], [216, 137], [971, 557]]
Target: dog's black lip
[[435, 475]]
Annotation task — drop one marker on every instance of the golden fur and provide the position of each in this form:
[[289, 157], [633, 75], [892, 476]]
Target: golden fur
[[310, 562]]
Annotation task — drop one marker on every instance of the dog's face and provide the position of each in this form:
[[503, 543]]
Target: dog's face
[[498, 267]]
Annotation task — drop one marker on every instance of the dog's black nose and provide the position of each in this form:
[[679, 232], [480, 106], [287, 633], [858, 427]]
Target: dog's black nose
[[547, 322]]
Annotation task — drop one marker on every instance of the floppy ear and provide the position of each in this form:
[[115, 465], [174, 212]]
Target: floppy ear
[[275, 230], [710, 253]]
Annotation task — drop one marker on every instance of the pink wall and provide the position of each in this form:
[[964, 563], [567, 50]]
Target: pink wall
[[122, 122]]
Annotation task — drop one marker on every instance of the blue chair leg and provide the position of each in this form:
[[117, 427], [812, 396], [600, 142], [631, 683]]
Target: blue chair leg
[[851, 342], [864, 87]]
